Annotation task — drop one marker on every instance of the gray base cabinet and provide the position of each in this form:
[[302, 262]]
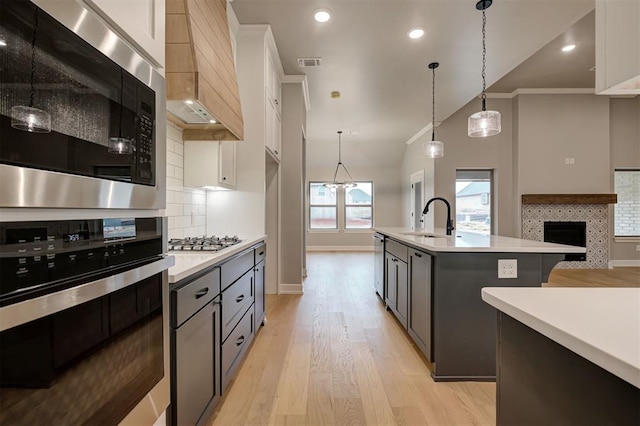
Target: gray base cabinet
[[419, 324], [214, 315], [396, 284]]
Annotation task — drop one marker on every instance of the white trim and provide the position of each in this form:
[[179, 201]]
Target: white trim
[[623, 263], [302, 79], [421, 132], [622, 239], [549, 91], [340, 248], [291, 289]]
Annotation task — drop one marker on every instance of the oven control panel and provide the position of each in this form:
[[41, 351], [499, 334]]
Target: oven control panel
[[43, 256]]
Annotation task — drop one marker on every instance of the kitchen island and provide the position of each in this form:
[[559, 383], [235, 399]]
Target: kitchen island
[[433, 283], [567, 356]]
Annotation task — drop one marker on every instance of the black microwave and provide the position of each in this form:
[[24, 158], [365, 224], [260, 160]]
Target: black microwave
[[67, 107]]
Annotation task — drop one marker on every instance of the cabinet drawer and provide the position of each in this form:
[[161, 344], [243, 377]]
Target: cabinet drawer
[[260, 253], [235, 301], [235, 268], [187, 300], [235, 346], [397, 249]]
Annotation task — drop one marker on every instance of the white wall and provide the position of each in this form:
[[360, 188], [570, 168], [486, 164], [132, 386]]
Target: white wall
[[625, 153], [242, 211], [387, 201], [555, 127]]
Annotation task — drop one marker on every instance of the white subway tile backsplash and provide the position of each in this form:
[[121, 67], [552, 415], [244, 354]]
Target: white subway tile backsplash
[[174, 159], [178, 147], [186, 207]]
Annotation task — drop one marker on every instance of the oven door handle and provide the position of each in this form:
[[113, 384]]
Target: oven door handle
[[39, 307]]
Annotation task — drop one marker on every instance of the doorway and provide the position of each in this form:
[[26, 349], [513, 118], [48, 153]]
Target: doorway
[[417, 201]]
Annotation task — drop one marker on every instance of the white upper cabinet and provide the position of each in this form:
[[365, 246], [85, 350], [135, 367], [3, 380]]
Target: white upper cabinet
[[210, 164], [140, 22]]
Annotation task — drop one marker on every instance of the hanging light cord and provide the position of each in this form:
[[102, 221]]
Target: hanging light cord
[[433, 105], [33, 57], [484, 59]]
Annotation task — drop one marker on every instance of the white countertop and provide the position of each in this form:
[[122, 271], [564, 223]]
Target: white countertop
[[188, 263], [472, 242], [599, 324]]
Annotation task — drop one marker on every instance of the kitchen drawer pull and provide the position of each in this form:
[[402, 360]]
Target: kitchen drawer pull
[[417, 254], [240, 298], [202, 292], [240, 341], [261, 253]]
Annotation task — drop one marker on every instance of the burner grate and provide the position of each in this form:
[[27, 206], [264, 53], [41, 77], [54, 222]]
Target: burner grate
[[203, 243]]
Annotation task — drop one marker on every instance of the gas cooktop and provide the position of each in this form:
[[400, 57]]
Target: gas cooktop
[[203, 243]]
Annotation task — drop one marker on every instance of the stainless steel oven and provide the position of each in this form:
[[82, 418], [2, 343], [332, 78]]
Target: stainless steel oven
[[83, 308], [81, 113]]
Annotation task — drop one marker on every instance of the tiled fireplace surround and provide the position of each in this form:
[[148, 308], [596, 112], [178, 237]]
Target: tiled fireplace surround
[[536, 211]]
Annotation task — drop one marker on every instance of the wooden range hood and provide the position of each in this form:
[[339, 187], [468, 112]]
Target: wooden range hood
[[200, 71]]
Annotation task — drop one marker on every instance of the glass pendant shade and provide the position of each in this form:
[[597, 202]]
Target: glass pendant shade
[[30, 119], [484, 123], [120, 146], [433, 149]]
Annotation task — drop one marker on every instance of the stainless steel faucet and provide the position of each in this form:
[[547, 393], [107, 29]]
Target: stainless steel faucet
[[449, 221]]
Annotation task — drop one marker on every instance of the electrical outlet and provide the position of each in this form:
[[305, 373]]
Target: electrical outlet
[[638, 247], [569, 160], [507, 268]]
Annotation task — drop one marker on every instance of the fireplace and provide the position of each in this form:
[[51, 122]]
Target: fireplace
[[589, 212], [570, 233]]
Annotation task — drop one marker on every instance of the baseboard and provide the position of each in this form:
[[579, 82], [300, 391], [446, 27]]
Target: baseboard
[[340, 248], [290, 289], [623, 263]]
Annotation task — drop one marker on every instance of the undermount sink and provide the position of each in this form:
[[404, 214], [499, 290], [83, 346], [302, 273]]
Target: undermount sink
[[423, 234]]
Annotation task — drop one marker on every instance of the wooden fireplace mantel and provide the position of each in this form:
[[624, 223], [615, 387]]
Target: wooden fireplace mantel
[[569, 198]]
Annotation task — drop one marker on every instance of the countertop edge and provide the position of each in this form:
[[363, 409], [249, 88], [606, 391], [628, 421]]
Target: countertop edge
[[176, 277], [603, 359], [497, 245]]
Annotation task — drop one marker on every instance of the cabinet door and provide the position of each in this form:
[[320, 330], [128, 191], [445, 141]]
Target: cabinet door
[[228, 164], [197, 378], [142, 22], [259, 274], [420, 300], [402, 296], [390, 280]]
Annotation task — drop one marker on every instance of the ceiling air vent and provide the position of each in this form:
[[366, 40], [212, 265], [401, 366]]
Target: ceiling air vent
[[309, 62]]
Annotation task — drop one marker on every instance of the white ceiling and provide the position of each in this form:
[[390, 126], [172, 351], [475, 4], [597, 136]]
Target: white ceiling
[[383, 75]]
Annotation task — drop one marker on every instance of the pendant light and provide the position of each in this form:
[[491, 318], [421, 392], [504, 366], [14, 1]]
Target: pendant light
[[119, 144], [29, 118], [344, 184], [484, 123], [433, 148]]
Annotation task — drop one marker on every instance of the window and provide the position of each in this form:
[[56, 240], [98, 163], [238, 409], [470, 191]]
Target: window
[[322, 207], [356, 203], [473, 200], [358, 206], [627, 209]]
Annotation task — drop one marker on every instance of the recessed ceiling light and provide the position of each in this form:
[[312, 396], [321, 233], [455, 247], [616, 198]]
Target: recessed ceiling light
[[3, 43], [568, 47], [212, 121], [415, 33], [322, 15], [188, 102]]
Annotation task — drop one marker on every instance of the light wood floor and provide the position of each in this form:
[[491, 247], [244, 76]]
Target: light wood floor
[[334, 356]]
